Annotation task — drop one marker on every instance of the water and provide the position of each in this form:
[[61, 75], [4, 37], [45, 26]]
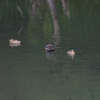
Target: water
[[27, 72]]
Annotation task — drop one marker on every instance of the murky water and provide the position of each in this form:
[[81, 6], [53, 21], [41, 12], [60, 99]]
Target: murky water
[[27, 72]]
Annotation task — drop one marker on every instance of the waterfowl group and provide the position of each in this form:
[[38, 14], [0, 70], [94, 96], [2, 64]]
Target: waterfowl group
[[48, 47]]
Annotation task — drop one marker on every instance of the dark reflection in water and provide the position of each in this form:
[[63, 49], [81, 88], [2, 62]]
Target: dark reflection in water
[[49, 55], [27, 72]]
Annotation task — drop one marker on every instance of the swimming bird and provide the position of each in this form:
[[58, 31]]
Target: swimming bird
[[14, 41], [71, 52], [49, 47]]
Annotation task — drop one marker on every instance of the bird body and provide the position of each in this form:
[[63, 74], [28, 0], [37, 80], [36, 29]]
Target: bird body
[[49, 47], [14, 41], [71, 52]]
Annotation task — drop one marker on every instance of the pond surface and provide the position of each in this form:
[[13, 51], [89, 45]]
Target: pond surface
[[27, 72]]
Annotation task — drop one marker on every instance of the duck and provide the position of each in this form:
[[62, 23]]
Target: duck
[[49, 47], [71, 52], [14, 41]]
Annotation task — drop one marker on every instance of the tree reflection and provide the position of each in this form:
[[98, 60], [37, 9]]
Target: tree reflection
[[56, 36], [65, 4], [21, 27], [43, 26], [34, 10]]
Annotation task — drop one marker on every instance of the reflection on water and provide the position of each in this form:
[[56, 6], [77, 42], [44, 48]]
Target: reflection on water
[[56, 35], [20, 28], [21, 12], [27, 72], [65, 4], [49, 55], [71, 55], [14, 44]]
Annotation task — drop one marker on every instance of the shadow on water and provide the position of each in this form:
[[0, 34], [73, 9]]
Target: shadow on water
[[27, 72]]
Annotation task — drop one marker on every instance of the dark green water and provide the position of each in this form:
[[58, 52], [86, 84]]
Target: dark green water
[[27, 72]]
